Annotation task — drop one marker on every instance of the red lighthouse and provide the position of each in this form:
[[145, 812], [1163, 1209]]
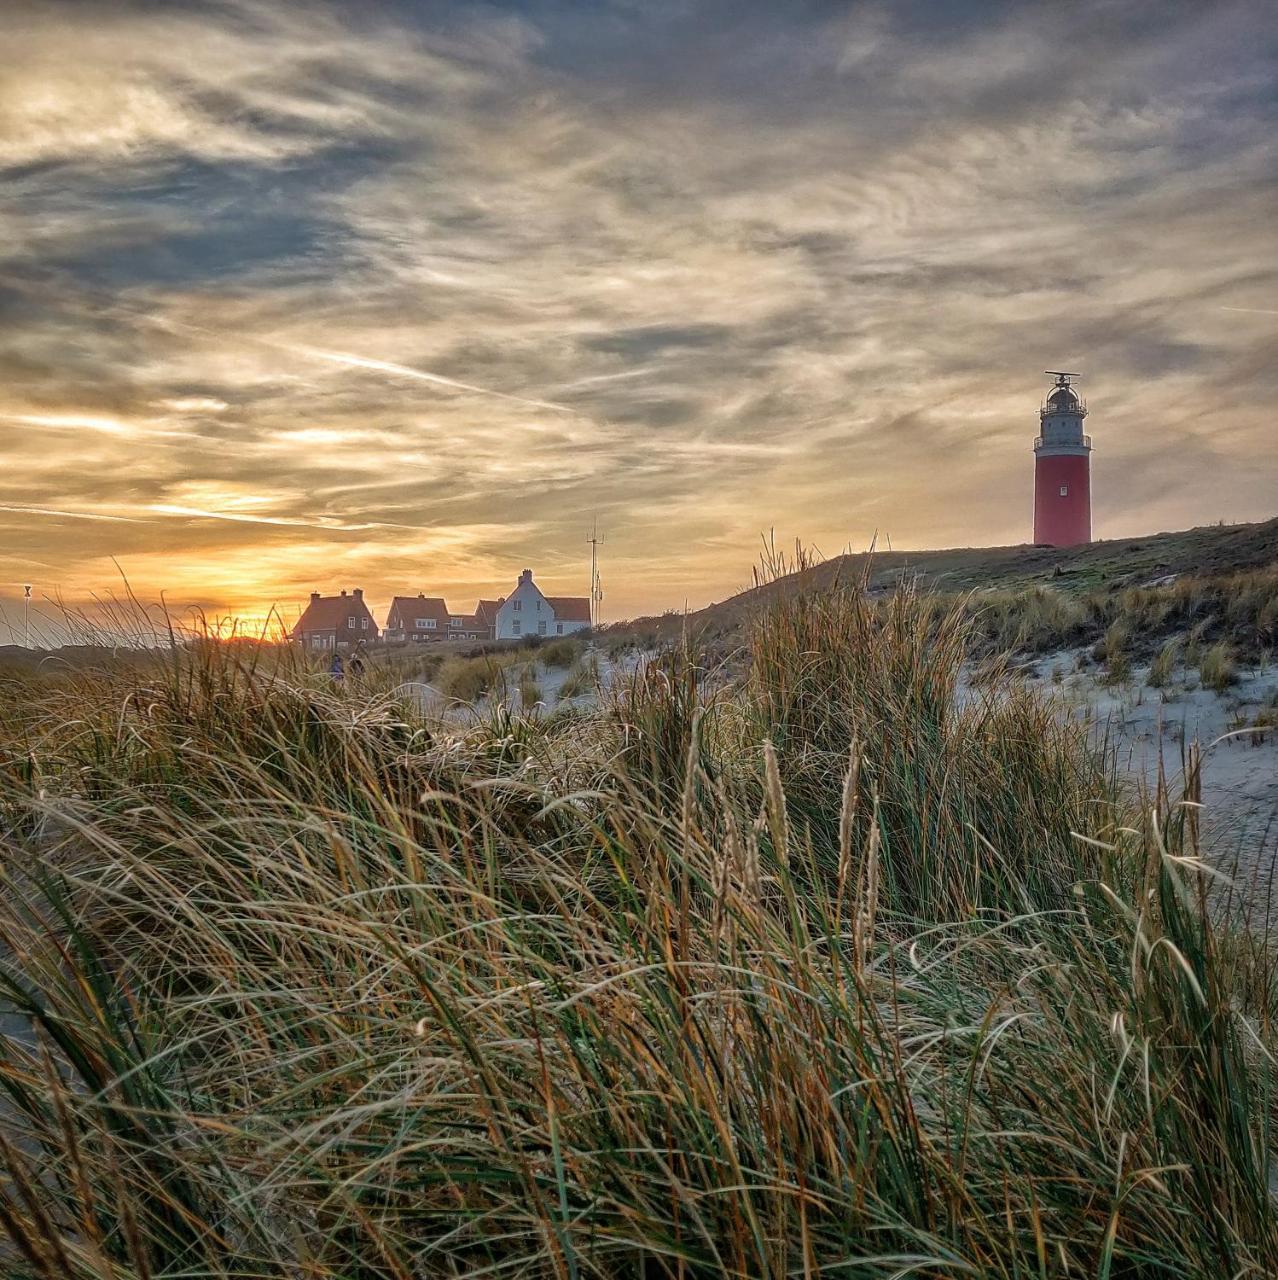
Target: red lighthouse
[[1062, 469]]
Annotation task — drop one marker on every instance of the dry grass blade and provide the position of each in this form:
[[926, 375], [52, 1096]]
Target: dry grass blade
[[816, 971]]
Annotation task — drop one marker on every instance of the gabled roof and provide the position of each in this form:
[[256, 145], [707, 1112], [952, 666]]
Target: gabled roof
[[329, 613], [570, 608], [405, 610], [486, 612]]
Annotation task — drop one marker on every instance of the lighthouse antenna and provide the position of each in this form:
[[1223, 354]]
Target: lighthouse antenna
[[1062, 378]]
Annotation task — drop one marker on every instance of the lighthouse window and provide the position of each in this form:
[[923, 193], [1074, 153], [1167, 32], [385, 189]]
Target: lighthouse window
[[1064, 491]]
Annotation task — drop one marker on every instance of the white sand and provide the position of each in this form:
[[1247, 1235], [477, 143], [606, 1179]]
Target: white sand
[[1239, 764]]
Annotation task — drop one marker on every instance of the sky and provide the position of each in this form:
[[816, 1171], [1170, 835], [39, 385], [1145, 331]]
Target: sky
[[404, 295]]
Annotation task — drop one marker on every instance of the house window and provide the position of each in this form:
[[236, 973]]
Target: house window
[[1064, 491], [541, 628], [363, 624], [425, 624], [515, 626], [350, 624], [454, 622], [516, 605], [559, 628], [538, 606]]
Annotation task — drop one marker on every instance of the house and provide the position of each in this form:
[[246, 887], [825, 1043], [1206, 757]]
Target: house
[[334, 622], [415, 619], [486, 616], [527, 612], [468, 626]]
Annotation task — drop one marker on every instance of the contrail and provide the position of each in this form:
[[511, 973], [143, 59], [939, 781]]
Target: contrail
[[361, 362], [239, 517], [1251, 311], [73, 515], [407, 371]]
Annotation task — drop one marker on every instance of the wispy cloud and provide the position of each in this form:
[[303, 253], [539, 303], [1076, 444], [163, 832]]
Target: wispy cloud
[[73, 422], [296, 294], [405, 371], [196, 404], [244, 517], [67, 515]]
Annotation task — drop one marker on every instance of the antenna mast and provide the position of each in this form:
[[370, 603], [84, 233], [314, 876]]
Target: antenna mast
[[596, 593]]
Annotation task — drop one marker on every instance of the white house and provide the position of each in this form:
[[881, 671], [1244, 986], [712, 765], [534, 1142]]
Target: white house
[[526, 612]]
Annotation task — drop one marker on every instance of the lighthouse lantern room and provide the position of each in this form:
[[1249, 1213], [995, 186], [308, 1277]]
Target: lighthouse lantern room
[[1062, 468]]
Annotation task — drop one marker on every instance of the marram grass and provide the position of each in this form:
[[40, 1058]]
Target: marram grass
[[813, 972]]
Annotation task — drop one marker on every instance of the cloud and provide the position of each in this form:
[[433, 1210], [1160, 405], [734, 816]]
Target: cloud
[[196, 404], [295, 294], [235, 82], [74, 422], [404, 371], [65, 515]]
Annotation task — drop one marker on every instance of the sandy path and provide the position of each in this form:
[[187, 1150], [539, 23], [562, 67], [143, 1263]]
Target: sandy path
[[1239, 764]]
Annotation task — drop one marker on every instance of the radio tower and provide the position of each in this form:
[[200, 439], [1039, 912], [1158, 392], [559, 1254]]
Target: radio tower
[[596, 591]]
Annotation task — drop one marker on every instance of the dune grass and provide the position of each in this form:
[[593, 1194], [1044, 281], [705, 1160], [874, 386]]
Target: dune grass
[[468, 679], [1217, 668], [1238, 609], [529, 689], [1163, 667], [559, 653], [813, 973], [582, 677]]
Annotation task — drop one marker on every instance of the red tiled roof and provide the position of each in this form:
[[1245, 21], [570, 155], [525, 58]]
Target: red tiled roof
[[486, 612], [329, 613], [570, 608], [405, 610]]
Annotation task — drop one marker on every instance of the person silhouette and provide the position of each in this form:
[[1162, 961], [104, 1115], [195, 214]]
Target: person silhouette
[[356, 664]]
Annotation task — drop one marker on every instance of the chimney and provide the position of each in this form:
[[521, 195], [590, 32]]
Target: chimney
[[526, 576], [314, 596], [343, 591], [358, 593], [421, 595]]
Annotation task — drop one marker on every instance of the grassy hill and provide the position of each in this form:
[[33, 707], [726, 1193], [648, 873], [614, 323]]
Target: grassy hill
[[1191, 571]]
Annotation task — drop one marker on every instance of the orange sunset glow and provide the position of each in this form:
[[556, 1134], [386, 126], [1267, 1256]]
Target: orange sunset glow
[[308, 296]]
